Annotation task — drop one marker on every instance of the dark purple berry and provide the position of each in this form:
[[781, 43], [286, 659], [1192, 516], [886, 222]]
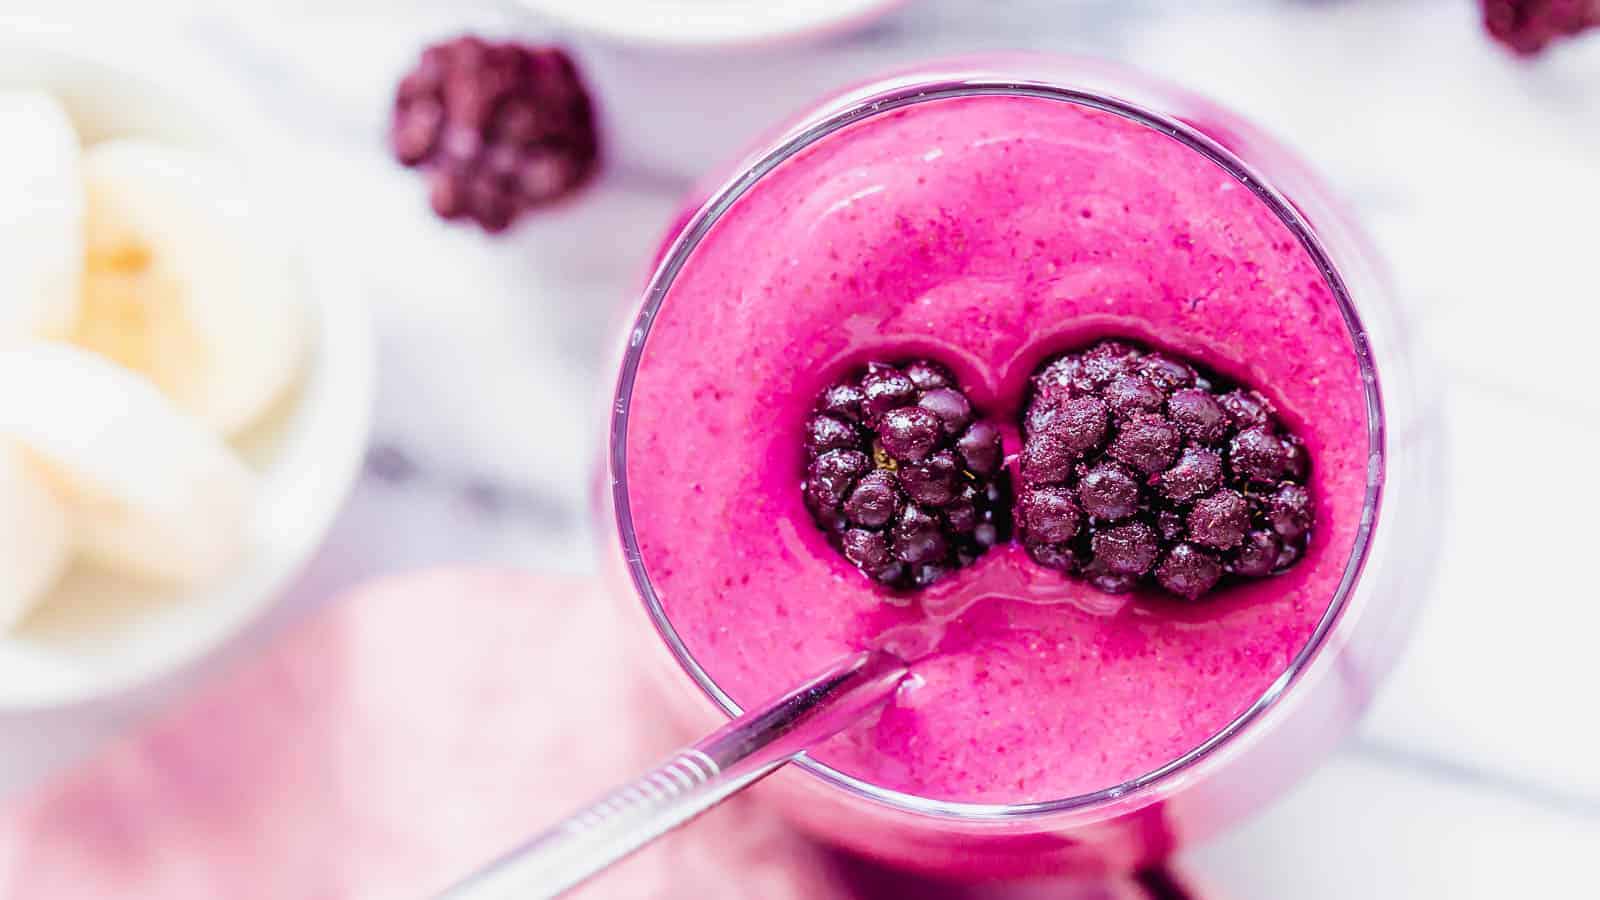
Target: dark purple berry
[[908, 484], [840, 466], [1289, 511], [908, 433], [500, 128], [885, 388], [1198, 415], [1196, 473], [1179, 478], [1188, 571], [874, 501], [1106, 360], [961, 514], [1125, 549], [868, 550], [1219, 520], [1259, 454], [824, 506], [1245, 408], [1257, 556], [892, 574], [934, 482], [980, 448], [927, 376], [1046, 460], [1053, 556], [824, 433], [1129, 394], [1168, 373], [1081, 424], [1060, 377], [1049, 514], [950, 406], [1108, 492], [829, 477], [916, 537], [1147, 442], [842, 401]]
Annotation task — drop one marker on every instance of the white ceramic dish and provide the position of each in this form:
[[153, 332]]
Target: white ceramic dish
[[99, 634], [708, 23]]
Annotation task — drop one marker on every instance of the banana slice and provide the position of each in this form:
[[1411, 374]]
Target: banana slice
[[179, 285], [148, 489], [41, 217], [34, 541]]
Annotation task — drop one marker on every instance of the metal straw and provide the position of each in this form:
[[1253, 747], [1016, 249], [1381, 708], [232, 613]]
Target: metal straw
[[690, 782]]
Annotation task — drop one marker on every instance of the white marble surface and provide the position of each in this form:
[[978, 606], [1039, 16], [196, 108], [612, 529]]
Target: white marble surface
[[1475, 774]]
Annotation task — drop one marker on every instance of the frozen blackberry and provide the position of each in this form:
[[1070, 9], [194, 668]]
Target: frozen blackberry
[[500, 128], [908, 483], [1528, 26], [1142, 468]]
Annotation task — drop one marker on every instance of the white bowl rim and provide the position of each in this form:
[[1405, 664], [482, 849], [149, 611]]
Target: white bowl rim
[[695, 24]]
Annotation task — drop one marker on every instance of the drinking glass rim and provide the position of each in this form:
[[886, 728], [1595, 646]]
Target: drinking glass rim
[[898, 93]]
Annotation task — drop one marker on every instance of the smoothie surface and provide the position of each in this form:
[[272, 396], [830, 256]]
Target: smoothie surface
[[986, 233]]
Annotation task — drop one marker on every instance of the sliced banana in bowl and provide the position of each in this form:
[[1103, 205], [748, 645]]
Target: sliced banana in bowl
[[185, 381], [178, 287], [149, 491]]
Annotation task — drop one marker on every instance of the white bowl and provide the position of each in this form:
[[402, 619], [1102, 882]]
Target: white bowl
[[98, 634], [708, 23]]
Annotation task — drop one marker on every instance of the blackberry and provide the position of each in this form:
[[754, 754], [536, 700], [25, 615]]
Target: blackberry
[[1527, 26], [499, 128], [904, 477], [1139, 467]]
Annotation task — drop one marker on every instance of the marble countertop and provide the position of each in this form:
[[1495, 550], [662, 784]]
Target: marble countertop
[[1472, 777]]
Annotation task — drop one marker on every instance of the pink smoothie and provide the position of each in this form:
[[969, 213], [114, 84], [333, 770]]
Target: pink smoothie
[[986, 233]]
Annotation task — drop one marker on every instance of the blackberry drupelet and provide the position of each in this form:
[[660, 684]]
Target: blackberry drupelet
[[1139, 467], [499, 128], [905, 479]]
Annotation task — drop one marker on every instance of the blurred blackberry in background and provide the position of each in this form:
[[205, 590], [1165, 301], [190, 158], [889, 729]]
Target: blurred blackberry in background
[[905, 479], [1528, 26], [1139, 467], [500, 128]]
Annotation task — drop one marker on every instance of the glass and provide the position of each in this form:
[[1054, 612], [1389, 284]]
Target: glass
[[1292, 724]]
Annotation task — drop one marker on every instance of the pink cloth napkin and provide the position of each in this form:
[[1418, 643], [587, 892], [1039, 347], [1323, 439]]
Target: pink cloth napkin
[[415, 730]]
